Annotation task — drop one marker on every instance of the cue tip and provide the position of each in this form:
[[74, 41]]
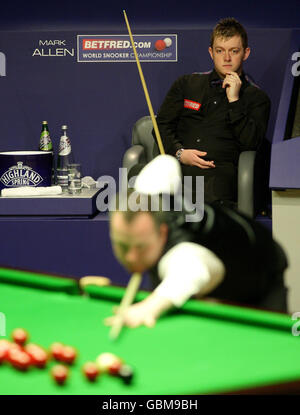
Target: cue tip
[[112, 338], [116, 329]]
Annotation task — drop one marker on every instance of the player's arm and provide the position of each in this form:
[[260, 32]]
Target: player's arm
[[186, 270], [168, 116], [167, 121], [248, 116]]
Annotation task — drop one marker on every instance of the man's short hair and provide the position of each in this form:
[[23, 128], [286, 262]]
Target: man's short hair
[[227, 28], [145, 205]]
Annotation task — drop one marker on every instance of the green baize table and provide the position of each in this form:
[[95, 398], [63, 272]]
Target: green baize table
[[204, 348]]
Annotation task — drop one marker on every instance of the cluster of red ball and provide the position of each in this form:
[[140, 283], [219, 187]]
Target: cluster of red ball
[[21, 355], [63, 354]]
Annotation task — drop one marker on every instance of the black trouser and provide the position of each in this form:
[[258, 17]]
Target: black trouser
[[220, 183]]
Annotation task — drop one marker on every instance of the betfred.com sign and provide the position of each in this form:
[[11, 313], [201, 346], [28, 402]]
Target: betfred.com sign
[[118, 48]]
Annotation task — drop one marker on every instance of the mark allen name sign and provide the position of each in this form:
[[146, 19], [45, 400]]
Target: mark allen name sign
[[117, 48]]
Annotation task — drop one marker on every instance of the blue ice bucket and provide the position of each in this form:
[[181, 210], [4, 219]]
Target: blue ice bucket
[[25, 168]]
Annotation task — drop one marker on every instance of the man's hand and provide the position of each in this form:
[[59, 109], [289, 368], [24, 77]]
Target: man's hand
[[144, 313], [233, 84], [136, 315], [193, 158]]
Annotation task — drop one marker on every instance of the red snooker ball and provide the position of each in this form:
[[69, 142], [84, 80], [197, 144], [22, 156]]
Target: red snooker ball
[[160, 45], [5, 343], [90, 370], [56, 350], [115, 367], [68, 354], [3, 354], [4, 348], [38, 355], [20, 336], [19, 359], [60, 374]]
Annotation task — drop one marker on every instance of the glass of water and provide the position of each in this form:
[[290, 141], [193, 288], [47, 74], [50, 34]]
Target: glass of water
[[74, 174], [62, 176]]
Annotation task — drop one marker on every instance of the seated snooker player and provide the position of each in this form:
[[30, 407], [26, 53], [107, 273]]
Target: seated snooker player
[[226, 255]]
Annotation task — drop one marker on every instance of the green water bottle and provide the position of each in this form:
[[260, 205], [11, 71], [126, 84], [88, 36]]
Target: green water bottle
[[45, 140], [46, 145]]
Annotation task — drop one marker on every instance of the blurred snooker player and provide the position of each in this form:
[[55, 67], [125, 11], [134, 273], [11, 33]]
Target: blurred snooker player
[[226, 254]]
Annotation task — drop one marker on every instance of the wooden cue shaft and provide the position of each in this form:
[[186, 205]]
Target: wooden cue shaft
[[160, 144], [127, 300]]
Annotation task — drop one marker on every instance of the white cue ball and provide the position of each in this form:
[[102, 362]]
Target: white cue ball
[[168, 42], [105, 360]]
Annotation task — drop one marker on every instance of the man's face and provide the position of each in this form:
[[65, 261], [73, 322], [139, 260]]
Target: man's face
[[138, 245], [228, 55]]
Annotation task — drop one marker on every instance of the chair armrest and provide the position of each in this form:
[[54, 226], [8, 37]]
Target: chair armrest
[[134, 155], [246, 182]]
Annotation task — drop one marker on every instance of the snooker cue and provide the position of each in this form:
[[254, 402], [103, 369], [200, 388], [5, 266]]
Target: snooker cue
[[136, 278], [127, 300], [160, 144]]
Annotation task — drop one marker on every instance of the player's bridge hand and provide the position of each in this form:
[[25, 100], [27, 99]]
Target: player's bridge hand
[[194, 158], [136, 315]]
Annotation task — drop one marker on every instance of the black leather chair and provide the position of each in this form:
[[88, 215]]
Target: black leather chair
[[144, 149]]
